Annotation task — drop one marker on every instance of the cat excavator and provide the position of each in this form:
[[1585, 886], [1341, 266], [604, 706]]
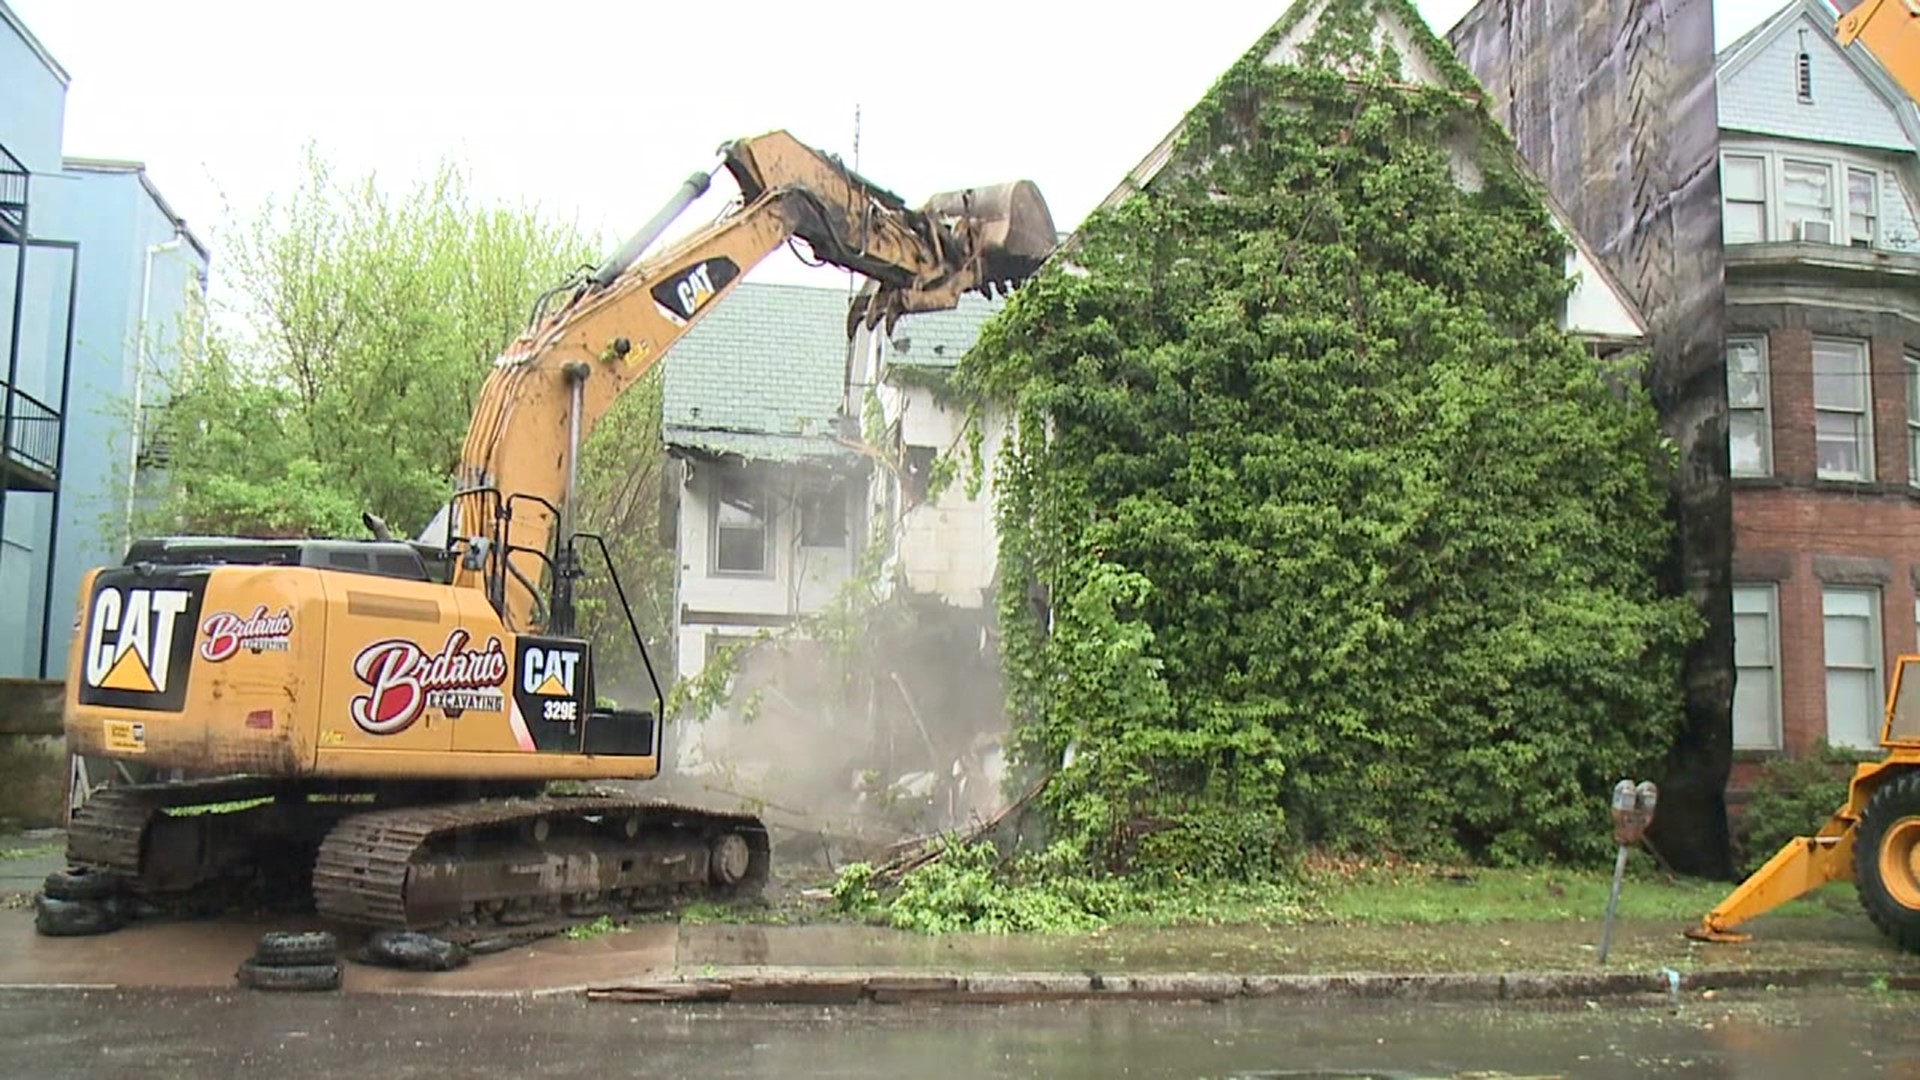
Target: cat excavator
[[1873, 840], [378, 724]]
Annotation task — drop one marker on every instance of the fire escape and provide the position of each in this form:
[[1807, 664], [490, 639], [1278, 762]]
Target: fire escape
[[38, 278], [31, 461]]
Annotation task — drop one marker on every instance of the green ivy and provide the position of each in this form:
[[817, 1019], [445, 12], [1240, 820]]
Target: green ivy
[[1314, 528], [1794, 797]]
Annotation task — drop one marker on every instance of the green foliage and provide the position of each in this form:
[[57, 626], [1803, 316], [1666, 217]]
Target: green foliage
[[973, 888], [853, 890], [599, 927], [1793, 797], [364, 326], [963, 890], [1314, 528]]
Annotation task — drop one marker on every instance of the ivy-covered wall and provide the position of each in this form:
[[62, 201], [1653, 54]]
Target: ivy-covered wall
[[1614, 103], [1314, 529]]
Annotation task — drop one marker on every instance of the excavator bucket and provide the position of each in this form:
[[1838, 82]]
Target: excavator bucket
[[1003, 235], [1008, 227]]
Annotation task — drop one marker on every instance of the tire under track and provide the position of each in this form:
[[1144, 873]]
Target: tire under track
[[305, 977], [283, 949], [83, 884], [107, 832]]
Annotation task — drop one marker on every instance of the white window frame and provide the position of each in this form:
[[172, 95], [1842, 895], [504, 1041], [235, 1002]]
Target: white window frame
[[1863, 436], [1778, 224], [1869, 237], [767, 519], [1875, 648], [1913, 420], [1760, 599], [1791, 221], [1764, 409], [1766, 186]]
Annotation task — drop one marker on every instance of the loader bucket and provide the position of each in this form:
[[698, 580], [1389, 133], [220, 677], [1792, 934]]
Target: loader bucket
[[1009, 225]]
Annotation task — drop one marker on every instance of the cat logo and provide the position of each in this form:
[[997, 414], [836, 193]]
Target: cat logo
[[548, 672], [695, 290], [687, 293], [130, 644]]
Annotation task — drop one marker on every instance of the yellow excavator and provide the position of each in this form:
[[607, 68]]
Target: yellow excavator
[[1875, 838], [378, 721]]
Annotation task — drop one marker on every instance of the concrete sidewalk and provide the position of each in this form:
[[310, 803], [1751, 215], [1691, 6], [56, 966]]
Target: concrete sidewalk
[[827, 962], [205, 954], [825, 986]]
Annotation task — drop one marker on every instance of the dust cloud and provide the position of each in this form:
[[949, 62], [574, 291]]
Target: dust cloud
[[845, 756]]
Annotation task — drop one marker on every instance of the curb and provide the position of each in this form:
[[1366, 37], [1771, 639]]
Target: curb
[[817, 986]]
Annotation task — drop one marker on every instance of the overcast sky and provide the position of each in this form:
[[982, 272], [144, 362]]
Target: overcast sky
[[596, 111]]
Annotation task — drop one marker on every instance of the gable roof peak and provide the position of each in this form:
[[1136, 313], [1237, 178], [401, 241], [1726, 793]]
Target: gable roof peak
[[1825, 19]]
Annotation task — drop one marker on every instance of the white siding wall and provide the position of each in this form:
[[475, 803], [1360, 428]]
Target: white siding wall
[[1762, 96], [801, 578], [948, 546]]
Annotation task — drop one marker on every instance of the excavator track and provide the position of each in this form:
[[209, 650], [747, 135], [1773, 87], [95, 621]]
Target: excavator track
[[478, 868], [110, 830], [206, 845]]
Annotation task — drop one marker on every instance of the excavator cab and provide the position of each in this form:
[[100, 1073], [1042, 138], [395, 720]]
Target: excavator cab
[[1874, 839]]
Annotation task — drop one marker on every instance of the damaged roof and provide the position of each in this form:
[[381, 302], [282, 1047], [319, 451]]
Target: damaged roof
[[1820, 18], [939, 339], [761, 376]]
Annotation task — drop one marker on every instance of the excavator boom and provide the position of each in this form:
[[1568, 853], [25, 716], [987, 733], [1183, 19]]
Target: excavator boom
[[551, 386]]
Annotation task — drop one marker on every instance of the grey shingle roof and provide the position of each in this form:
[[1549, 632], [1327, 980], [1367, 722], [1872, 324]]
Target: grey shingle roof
[[762, 375], [938, 339]]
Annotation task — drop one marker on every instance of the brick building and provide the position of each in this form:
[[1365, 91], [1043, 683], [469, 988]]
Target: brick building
[[1820, 166]]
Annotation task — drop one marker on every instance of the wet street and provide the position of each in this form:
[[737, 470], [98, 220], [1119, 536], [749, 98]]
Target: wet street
[[92, 1034]]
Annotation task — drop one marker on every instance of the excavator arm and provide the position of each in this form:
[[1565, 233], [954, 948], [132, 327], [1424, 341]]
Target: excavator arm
[[1890, 30], [551, 385]]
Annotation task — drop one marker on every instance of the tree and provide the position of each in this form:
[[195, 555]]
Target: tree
[[345, 381], [1315, 528]]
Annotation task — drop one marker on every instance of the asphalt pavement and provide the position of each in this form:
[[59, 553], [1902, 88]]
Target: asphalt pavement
[[210, 1034]]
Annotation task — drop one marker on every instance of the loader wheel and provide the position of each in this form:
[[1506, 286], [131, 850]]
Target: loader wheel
[[295, 950], [1886, 860]]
